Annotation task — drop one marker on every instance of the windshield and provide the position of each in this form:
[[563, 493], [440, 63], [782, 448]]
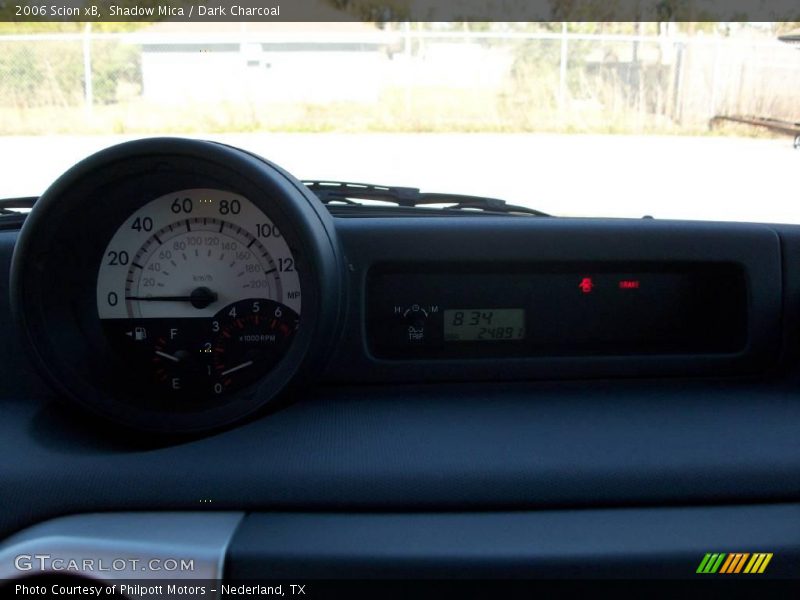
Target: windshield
[[626, 119]]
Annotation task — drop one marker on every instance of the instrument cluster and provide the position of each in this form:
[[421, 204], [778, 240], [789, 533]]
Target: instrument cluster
[[176, 285]]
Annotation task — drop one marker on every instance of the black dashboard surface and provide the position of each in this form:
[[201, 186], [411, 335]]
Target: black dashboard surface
[[414, 448], [347, 445], [543, 545]]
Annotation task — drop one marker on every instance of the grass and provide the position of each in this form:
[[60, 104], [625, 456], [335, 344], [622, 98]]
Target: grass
[[421, 110]]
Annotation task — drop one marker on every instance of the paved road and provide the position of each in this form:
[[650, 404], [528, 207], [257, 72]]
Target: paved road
[[620, 176]]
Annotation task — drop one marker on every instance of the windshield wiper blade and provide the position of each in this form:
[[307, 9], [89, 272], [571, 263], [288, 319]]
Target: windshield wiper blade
[[13, 212], [345, 192], [16, 206]]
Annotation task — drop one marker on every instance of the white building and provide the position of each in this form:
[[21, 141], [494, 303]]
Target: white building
[[263, 61]]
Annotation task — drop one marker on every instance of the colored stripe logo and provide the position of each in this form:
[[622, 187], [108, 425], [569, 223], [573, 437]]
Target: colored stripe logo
[[734, 563]]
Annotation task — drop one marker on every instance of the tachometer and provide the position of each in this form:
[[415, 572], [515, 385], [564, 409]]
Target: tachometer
[[193, 284]]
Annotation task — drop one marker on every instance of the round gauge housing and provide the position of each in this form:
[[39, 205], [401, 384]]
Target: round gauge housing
[[176, 286]]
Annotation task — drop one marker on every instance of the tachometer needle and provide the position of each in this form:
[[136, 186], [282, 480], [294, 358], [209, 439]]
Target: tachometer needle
[[244, 365], [168, 356]]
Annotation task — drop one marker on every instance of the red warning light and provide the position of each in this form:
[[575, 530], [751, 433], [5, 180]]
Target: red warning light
[[586, 285], [629, 284]]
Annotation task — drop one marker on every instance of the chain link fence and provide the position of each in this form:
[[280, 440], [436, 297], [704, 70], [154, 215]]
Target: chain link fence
[[68, 71], [388, 81]]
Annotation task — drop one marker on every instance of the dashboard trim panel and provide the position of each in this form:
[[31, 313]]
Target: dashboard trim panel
[[106, 538], [756, 249]]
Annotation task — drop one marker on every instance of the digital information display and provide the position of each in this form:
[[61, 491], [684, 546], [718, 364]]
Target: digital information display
[[484, 324], [556, 310]]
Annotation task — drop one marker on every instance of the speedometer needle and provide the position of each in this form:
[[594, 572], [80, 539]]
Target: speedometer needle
[[160, 298], [236, 368], [200, 298]]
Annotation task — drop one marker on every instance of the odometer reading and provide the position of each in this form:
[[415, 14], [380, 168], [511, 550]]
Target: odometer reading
[[199, 288], [484, 324]]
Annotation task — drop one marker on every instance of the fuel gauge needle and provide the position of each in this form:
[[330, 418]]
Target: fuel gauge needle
[[168, 356], [244, 365]]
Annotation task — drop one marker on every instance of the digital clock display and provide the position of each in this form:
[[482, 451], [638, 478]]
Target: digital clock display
[[484, 324]]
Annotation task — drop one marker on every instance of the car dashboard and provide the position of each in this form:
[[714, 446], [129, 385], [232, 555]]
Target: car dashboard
[[389, 396]]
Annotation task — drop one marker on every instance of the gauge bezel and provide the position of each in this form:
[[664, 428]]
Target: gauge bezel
[[54, 275]]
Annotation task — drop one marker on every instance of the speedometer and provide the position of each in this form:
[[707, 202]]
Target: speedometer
[[200, 286], [194, 284]]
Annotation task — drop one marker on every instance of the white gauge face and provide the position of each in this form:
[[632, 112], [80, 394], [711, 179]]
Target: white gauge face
[[190, 254], [200, 288]]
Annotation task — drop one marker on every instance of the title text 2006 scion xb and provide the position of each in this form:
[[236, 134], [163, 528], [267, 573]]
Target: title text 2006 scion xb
[[274, 379]]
